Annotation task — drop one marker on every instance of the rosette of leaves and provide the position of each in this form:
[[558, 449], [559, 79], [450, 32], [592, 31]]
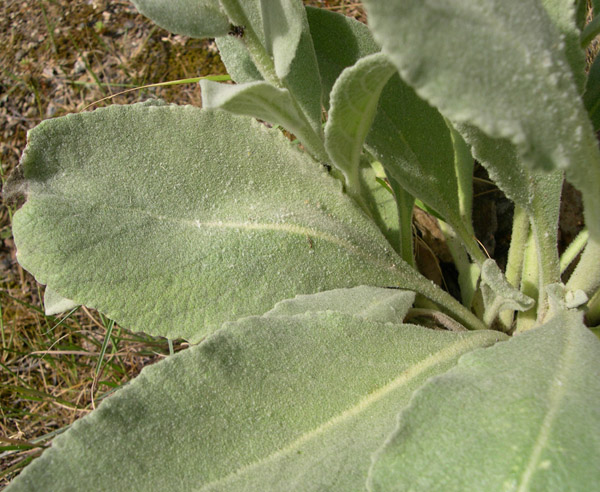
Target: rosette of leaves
[[292, 269]]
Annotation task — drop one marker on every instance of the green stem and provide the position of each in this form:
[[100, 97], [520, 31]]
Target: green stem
[[435, 315], [450, 305], [467, 236], [586, 276], [518, 242], [529, 284], [573, 250], [463, 168], [516, 254], [468, 273]]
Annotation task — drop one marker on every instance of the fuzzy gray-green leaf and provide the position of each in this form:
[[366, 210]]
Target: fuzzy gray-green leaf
[[562, 15], [373, 303], [282, 25], [517, 89], [265, 404], [195, 18], [168, 219], [282, 30], [265, 102], [521, 415], [498, 294], [353, 102], [339, 42]]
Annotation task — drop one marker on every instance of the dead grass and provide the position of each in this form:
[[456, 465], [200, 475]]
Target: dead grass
[[57, 57]]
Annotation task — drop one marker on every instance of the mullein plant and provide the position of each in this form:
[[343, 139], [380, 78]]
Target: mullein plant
[[291, 268]]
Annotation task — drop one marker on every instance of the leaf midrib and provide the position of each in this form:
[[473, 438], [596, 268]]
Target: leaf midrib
[[289, 228], [556, 395], [404, 378]]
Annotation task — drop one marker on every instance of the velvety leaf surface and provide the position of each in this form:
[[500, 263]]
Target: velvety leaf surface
[[281, 28], [409, 137], [339, 42], [374, 303], [263, 101], [519, 90], [195, 18], [562, 15], [237, 60], [279, 403], [168, 219], [412, 141], [521, 415], [499, 294], [353, 102], [382, 206]]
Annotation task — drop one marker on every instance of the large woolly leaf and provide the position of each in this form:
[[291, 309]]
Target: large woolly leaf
[[277, 403], [196, 18], [522, 415], [169, 219], [517, 89], [353, 102]]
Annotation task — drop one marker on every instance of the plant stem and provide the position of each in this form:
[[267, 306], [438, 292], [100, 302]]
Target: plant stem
[[586, 276], [450, 305], [463, 168], [516, 253], [467, 236], [435, 315], [529, 284], [573, 250], [468, 273]]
